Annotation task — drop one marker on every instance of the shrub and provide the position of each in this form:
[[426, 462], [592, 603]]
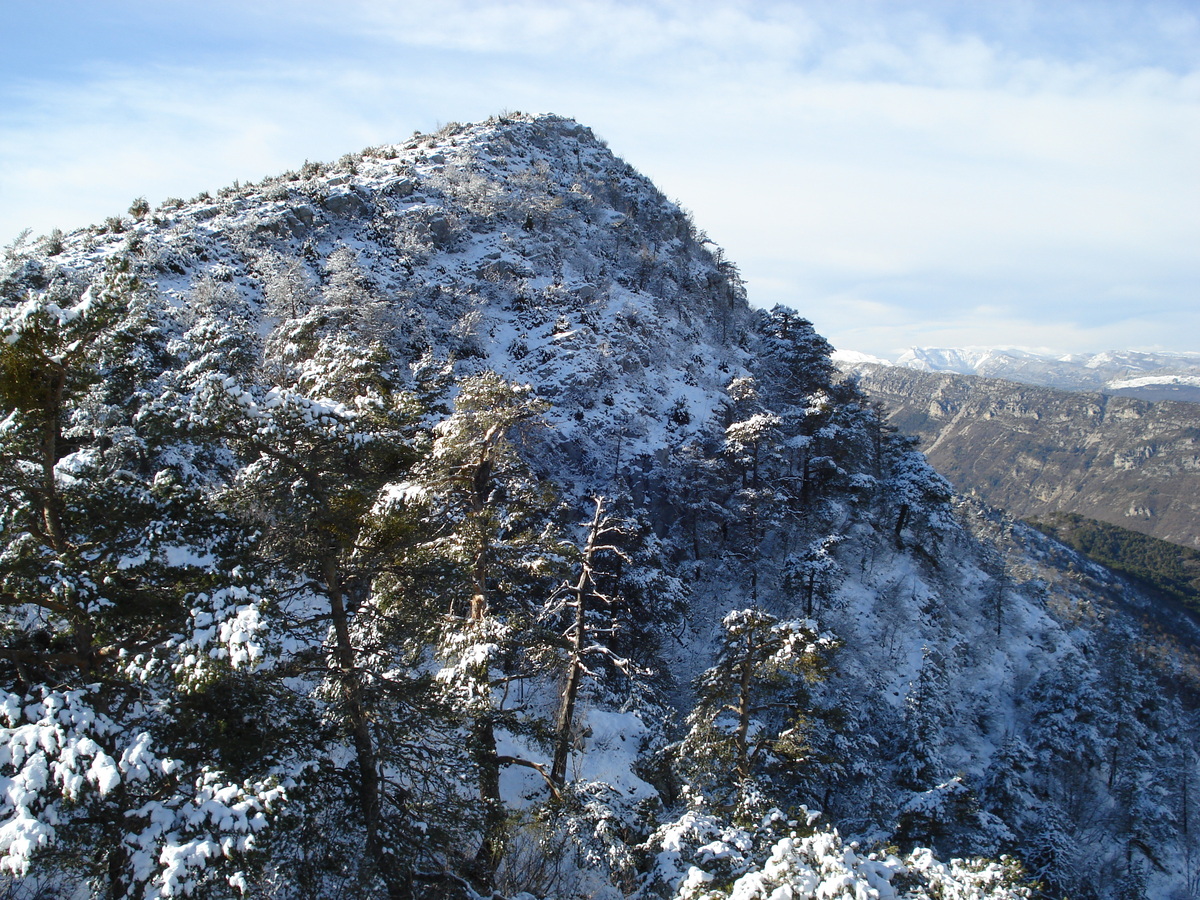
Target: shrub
[[54, 242]]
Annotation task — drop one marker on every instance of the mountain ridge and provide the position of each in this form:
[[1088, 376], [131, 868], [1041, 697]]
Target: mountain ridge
[[1147, 376], [1035, 450]]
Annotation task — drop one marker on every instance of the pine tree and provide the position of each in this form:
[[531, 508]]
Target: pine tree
[[124, 602], [493, 521], [918, 495], [795, 360], [316, 460], [1132, 724], [582, 599], [812, 575], [752, 445], [1063, 732], [925, 709], [750, 707]]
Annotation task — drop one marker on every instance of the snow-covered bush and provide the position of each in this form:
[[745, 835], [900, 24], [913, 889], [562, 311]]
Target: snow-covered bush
[[700, 858]]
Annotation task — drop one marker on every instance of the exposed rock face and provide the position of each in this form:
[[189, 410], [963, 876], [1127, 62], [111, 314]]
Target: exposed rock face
[[1034, 450]]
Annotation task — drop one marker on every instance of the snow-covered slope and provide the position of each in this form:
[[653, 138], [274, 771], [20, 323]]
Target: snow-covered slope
[[990, 693], [1150, 376], [528, 249]]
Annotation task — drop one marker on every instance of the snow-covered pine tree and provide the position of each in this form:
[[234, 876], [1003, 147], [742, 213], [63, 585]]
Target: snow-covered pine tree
[[493, 520], [919, 497], [749, 713], [315, 459], [125, 607], [794, 360]]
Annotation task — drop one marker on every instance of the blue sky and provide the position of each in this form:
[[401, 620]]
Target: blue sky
[[995, 172]]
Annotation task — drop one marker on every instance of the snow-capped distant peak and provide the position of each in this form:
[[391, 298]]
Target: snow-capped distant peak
[[1113, 370], [851, 358]]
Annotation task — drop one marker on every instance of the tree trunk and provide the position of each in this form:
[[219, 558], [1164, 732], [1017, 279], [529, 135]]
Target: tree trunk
[[51, 430], [742, 736], [566, 712], [370, 796], [804, 476], [582, 591], [483, 729], [901, 520], [52, 518], [487, 759], [116, 863], [479, 600]]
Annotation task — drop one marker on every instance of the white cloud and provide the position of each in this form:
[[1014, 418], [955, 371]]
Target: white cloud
[[591, 29]]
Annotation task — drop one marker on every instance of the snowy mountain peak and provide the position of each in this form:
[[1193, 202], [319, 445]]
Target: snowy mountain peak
[[1152, 376], [850, 358]]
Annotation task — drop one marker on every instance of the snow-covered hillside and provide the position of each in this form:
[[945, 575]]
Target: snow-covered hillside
[[444, 522], [1150, 376]]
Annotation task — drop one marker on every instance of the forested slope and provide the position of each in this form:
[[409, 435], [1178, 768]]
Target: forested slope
[[445, 523]]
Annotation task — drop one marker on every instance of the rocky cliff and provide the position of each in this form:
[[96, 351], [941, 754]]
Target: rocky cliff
[[1035, 451]]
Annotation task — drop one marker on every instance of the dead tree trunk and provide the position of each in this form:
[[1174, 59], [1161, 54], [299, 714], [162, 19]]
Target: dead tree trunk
[[578, 636]]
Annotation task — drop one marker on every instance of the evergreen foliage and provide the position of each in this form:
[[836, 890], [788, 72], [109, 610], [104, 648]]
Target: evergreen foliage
[[1167, 567], [749, 717]]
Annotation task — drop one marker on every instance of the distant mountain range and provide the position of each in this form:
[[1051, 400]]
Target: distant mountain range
[[1129, 373]]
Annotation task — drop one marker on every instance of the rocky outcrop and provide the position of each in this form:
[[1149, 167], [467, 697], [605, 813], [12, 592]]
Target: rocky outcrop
[[1035, 451]]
